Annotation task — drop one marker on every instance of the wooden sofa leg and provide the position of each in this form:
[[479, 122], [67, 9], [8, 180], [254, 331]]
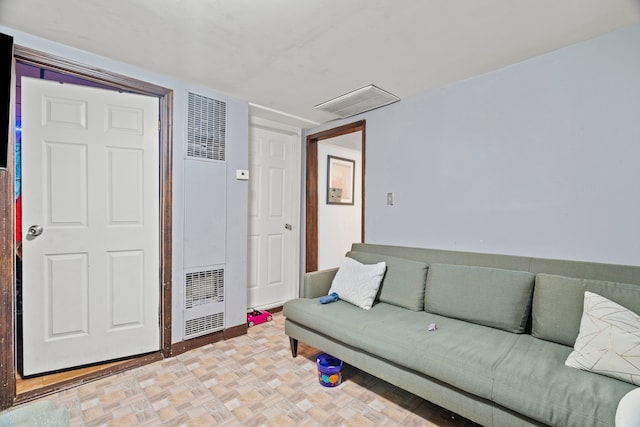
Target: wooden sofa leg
[[294, 346]]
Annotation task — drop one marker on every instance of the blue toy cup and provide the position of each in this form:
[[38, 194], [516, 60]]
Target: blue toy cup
[[329, 370]]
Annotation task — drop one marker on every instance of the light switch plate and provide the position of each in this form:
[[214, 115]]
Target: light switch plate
[[242, 174], [389, 199]]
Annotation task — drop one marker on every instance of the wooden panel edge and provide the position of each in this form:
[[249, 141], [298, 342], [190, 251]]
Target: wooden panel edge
[[166, 211], [311, 200], [7, 263]]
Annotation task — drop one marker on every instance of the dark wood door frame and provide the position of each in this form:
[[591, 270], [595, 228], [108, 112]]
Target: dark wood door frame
[[7, 239], [311, 223]]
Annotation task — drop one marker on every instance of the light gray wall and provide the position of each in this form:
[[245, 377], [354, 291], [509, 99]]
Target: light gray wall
[[236, 191], [540, 158]]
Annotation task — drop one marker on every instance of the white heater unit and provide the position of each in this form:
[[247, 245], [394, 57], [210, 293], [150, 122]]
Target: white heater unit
[[204, 242], [203, 302]]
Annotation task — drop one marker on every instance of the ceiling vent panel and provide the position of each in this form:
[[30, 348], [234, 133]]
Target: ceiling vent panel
[[358, 101], [206, 127]]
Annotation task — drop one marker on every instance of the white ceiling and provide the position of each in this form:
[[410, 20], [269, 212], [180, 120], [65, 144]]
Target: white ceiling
[[289, 55]]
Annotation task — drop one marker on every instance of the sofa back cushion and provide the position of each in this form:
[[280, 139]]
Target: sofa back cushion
[[558, 304], [403, 283], [486, 296]]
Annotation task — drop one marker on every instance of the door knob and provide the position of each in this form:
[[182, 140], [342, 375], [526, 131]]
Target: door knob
[[288, 227], [35, 230]]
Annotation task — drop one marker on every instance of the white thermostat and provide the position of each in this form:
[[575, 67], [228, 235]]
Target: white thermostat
[[242, 174]]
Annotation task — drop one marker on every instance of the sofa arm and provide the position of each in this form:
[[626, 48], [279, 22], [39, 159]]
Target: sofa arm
[[628, 413], [318, 283]]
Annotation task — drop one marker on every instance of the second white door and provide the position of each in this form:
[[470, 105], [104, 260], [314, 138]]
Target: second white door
[[273, 215]]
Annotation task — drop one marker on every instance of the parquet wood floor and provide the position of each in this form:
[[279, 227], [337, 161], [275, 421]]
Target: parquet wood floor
[[251, 380]]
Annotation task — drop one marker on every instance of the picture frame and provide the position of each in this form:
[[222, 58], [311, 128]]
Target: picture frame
[[340, 180]]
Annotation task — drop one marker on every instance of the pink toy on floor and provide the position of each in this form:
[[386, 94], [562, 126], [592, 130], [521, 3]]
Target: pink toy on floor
[[255, 317]]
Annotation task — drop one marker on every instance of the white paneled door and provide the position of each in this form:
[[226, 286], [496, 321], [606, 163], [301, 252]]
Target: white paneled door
[[273, 216], [90, 225]]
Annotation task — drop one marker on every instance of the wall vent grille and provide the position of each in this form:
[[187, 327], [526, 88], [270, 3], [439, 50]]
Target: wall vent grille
[[204, 287], [206, 127], [203, 325]]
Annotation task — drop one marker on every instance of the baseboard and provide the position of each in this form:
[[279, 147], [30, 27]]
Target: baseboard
[[191, 344]]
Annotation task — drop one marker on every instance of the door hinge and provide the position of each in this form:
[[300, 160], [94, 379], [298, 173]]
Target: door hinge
[[159, 126]]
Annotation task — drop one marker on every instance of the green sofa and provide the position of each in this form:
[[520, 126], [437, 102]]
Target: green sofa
[[505, 326]]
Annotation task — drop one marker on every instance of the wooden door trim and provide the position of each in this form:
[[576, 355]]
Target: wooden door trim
[[7, 263], [311, 221], [311, 190], [7, 243]]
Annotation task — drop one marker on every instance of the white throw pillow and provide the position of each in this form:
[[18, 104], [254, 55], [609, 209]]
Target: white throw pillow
[[358, 283], [609, 340]]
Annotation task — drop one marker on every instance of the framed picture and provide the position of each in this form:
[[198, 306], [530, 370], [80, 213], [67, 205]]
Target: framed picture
[[340, 180]]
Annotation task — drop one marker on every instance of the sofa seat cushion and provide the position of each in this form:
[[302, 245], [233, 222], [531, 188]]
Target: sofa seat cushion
[[533, 380], [487, 296], [403, 282], [462, 354]]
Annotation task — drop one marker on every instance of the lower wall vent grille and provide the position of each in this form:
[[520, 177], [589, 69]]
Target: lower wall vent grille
[[203, 325]]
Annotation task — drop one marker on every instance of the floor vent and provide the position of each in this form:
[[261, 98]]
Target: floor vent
[[203, 325], [206, 127]]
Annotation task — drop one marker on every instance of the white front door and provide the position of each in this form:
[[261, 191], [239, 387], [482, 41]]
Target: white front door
[[90, 218], [273, 215]]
